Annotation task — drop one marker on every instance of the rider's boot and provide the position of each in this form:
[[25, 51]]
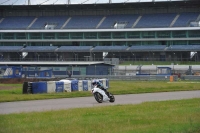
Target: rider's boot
[[105, 90], [107, 93]]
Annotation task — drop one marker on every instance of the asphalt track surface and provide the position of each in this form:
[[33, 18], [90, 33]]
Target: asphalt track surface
[[81, 102]]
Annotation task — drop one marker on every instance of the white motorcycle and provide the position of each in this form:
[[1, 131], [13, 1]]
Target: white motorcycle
[[101, 96]]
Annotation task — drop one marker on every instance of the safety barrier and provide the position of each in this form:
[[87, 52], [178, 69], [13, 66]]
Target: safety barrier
[[60, 86], [27, 88]]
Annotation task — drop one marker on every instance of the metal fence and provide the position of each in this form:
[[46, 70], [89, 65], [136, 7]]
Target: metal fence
[[190, 78], [127, 61], [124, 77], [136, 77], [133, 78]]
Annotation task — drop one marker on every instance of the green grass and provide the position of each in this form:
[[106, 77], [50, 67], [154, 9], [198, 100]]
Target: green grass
[[134, 87], [17, 89], [178, 116], [116, 87], [159, 62]]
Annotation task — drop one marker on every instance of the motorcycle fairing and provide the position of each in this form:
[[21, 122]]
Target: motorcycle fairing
[[105, 97]]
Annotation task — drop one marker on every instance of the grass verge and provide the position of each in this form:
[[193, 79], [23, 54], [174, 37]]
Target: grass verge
[[177, 116], [116, 87]]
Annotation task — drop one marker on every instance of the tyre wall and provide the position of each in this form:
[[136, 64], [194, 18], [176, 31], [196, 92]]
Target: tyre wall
[[60, 86]]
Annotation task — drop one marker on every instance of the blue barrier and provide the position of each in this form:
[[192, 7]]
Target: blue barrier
[[64, 85], [74, 85], [59, 86], [85, 85], [39, 87]]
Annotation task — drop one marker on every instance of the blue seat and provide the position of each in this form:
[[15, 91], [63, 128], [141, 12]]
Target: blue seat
[[185, 18], [111, 19], [43, 20], [156, 20], [83, 22], [17, 22]]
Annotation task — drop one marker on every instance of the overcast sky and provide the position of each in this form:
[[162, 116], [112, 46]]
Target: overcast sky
[[47, 2]]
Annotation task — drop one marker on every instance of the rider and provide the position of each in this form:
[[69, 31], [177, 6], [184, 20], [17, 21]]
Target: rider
[[99, 85]]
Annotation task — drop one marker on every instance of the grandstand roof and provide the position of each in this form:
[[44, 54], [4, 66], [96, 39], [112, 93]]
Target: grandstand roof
[[46, 63], [110, 49], [184, 48], [10, 48], [74, 49], [147, 48], [40, 49], [49, 2], [97, 6]]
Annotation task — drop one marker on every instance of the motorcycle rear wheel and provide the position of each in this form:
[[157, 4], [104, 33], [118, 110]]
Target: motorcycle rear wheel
[[112, 98], [98, 97]]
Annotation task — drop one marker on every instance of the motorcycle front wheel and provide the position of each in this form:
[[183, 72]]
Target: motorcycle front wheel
[[98, 97]]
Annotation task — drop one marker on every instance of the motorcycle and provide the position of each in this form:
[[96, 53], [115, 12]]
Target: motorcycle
[[101, 96]]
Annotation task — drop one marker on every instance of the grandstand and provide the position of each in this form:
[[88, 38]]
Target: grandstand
[[160, 31]]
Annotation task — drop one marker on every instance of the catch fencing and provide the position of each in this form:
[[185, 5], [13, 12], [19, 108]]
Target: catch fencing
[[134, 78], [124, 77]]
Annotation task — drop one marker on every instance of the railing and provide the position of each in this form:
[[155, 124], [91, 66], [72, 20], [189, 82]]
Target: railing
[[122, 61], [118, 77], [132, 78], [50, 59], [123, 77]]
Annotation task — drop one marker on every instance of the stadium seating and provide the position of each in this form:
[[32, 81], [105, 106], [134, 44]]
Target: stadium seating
[[185, 18], [147, 48], [83, 22], [110, 49], [40, 49], [41, 21], [155, 20], [91, 21], [16, 22], [10, 48], [111, 19], [74, 49]]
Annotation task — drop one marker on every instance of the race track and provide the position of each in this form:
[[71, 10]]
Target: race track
[[81, 102]]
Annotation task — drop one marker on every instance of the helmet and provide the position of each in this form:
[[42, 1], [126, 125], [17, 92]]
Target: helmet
[[94, 82]]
